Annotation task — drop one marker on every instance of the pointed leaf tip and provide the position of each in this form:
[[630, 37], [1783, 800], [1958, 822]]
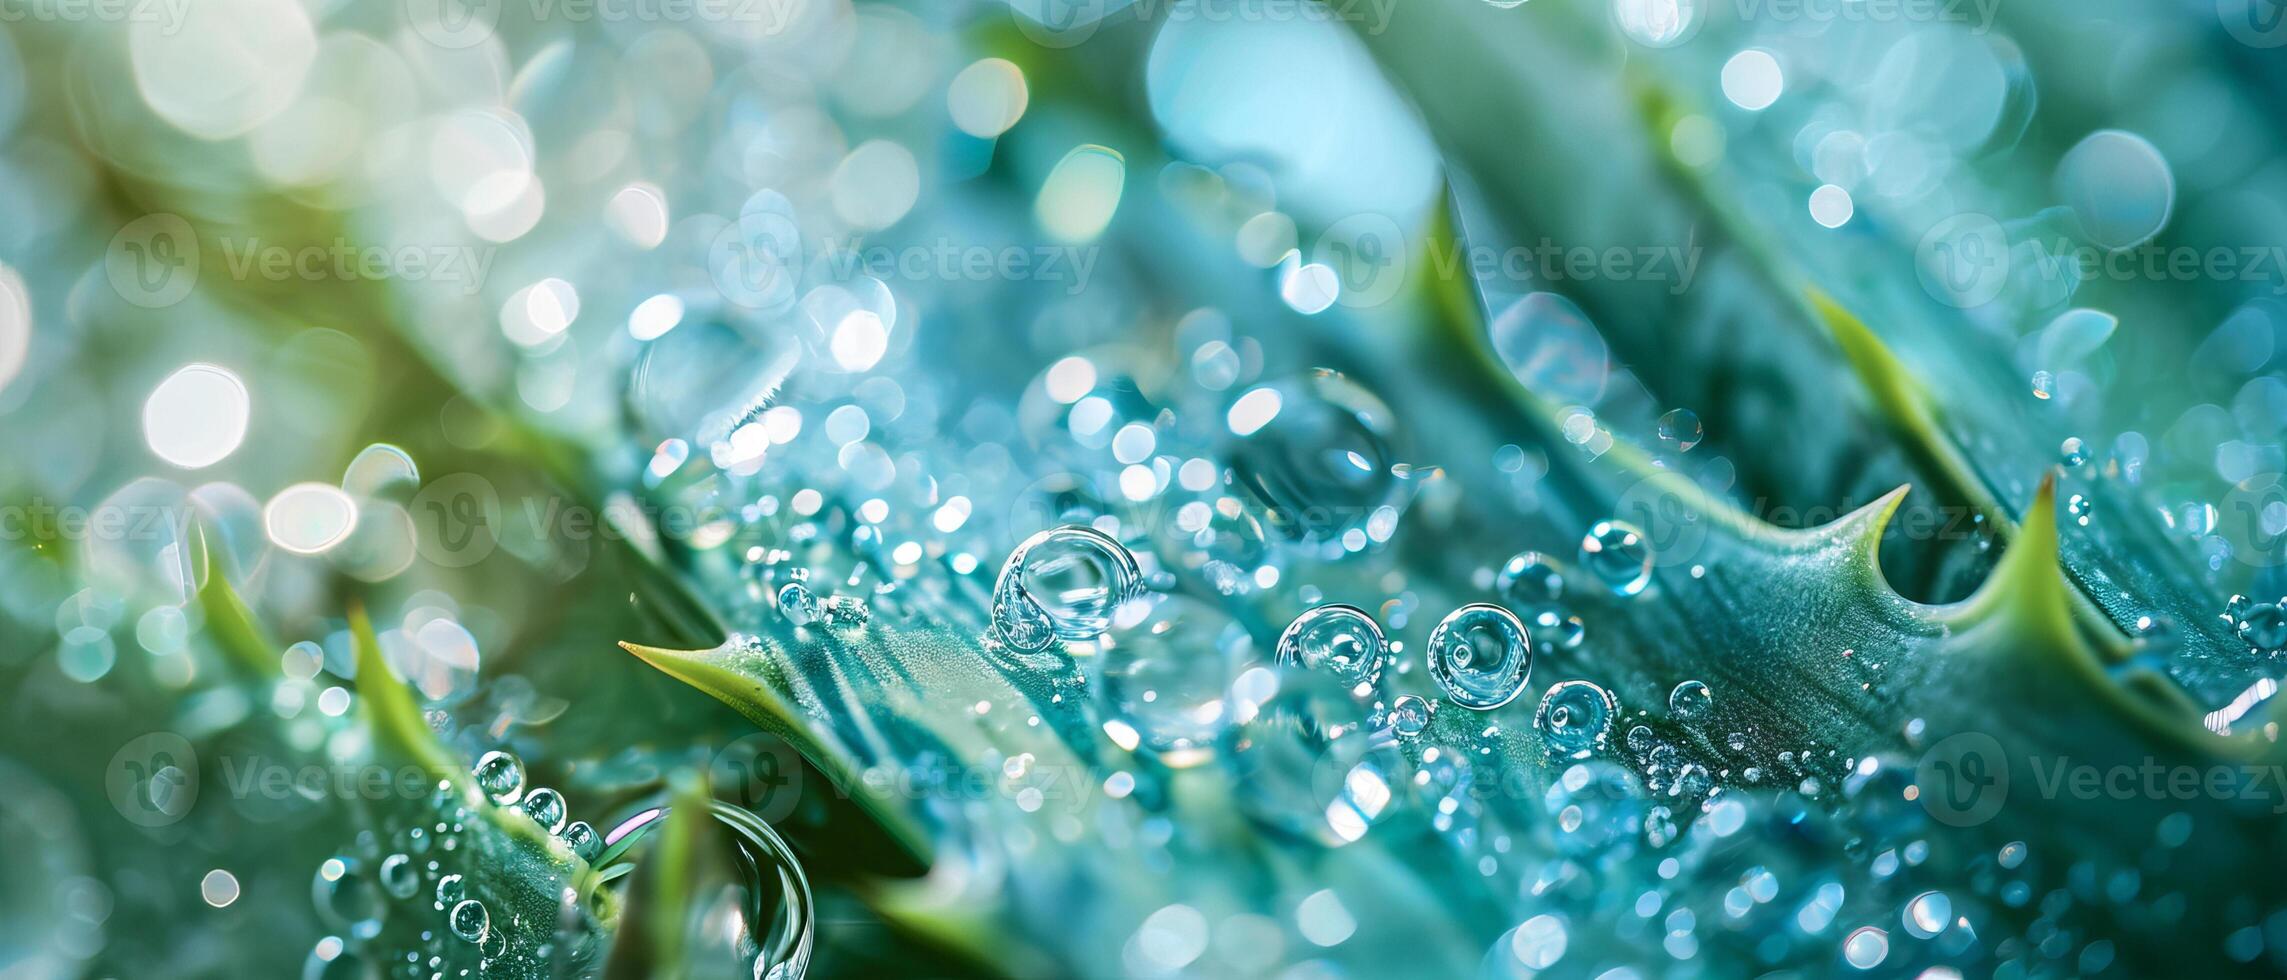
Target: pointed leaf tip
[[2027, 587]]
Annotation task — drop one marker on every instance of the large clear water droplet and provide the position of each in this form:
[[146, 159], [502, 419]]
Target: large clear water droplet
[[1062, 583], [346, 897], [1339, 639], [1617, 554], [399, 877], [546, 808], [1530, 580], [470, 920], [797, 604], [1691, 700], [1304, 761], [1315, 453], [1576, 718], [1167, 671], [1481, 655], [501, 776]]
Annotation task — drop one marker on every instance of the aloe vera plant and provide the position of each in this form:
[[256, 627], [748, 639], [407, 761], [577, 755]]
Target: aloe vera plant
[[1141, 489]]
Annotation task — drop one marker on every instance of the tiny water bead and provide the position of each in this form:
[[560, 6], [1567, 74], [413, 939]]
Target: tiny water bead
[[797, 603], [1062, 583], [1529, 580], [399, 877], [501, 776], [1680, 429], [1481, 655], [1690, 700], [2072, 452], [846, 612], [2264, 627], [1554, 629], [1222, 541], [1576, 717], [1410, 714], [470, 920], [2079, 508], [450, 890], [1616, 553], [1341, 639], [546, 808], [344, 893], [583, 840]]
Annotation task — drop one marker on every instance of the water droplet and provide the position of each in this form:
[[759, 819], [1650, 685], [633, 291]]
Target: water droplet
[[2264, 627], [451, 889], [1690, 700], [1641, 740], [1928, 914], [2080, 508], [344, 895], [846, 612], [1315, 454], [1344, 640], [1576, 717], [501, 776], [1166, 672], [1866, 948], [797, 603], [2073, 452], [1555, 629], [470, 921], [1530, 580], [1221, 540], [584, 840], [1410, 714], [1303, 760], [546, 808], [1680, 429], [1481, 656], [399, 876], [1616, 553], [1062, 583]]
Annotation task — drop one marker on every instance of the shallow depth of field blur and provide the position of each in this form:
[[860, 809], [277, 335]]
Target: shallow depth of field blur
[[1224, 488]]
